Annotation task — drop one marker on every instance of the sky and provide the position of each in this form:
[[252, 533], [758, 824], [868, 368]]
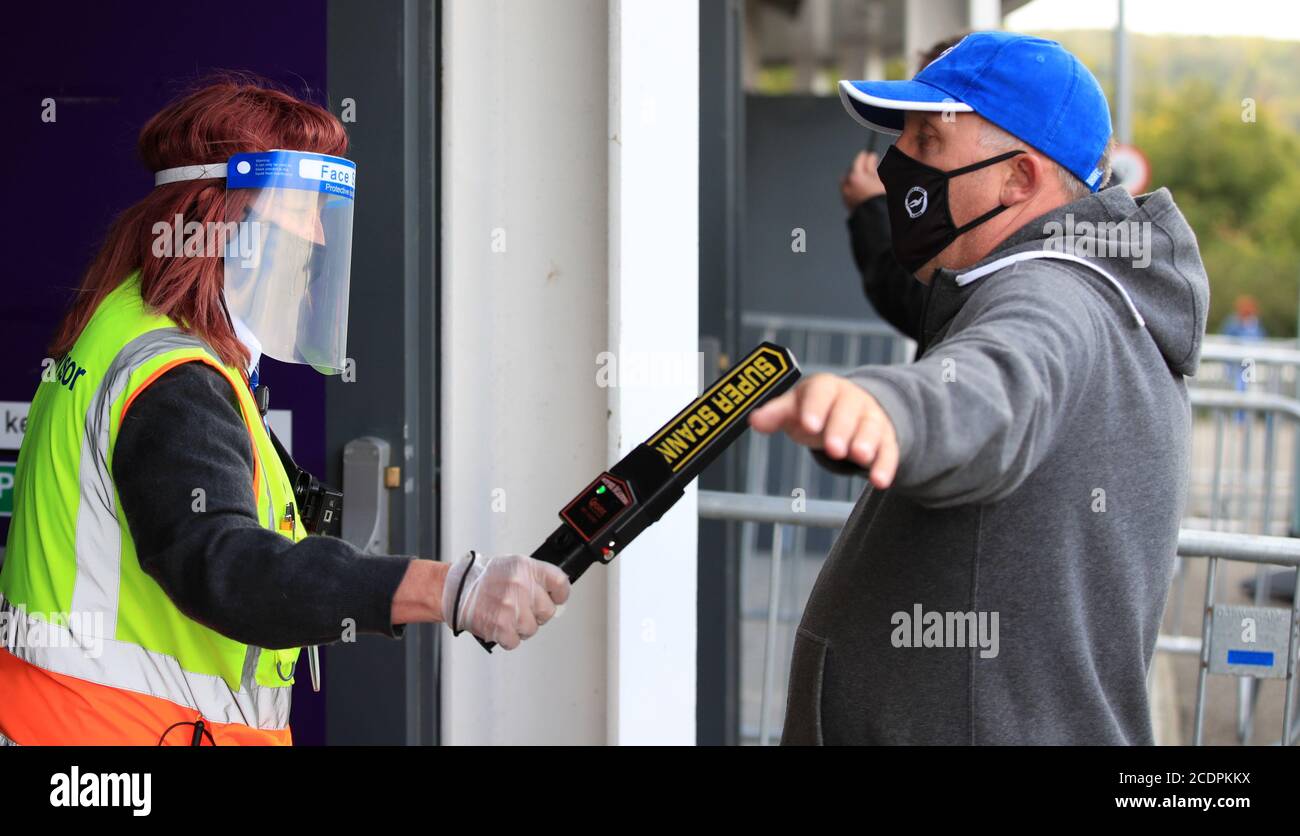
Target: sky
[[1262, 18]]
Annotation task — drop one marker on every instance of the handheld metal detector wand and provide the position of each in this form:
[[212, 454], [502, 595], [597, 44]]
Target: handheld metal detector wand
[[632, 495]]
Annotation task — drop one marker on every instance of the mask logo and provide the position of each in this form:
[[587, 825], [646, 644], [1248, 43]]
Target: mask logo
[[916, 202], [917, 233]]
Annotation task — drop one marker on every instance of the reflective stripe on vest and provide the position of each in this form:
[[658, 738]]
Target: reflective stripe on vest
[[81, 620], [118, 664], [99, 537]]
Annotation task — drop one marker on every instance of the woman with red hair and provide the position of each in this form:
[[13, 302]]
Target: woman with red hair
[[159, 580]]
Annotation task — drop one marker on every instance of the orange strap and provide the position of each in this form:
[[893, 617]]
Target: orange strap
[[42, 708], [248, 419]]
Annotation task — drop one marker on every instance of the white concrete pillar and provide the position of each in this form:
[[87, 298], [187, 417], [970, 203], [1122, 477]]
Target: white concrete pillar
[[525, 313], [653, 320], [984, 15], [569, 157], [926, 22]]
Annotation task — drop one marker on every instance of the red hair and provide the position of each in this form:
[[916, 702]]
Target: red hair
[[231, 116]]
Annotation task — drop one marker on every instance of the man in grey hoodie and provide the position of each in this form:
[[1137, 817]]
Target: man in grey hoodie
[[1004, 578]]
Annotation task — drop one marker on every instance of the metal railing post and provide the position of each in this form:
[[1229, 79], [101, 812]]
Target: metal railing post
[[769, 637]]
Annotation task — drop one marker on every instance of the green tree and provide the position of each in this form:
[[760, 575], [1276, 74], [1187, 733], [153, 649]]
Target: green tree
[[1236, 181]]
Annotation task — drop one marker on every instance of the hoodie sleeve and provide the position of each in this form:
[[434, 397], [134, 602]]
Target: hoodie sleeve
[[980, 410]]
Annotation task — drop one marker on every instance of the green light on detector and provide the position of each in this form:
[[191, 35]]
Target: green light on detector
[[600, 490]]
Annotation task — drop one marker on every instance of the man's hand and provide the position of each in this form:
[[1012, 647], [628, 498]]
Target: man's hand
[[503, 599], [861, 182], [838, 417]]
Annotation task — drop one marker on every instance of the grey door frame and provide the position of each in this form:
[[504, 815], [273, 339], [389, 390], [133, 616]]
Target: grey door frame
[[383, 58], [721, 208]]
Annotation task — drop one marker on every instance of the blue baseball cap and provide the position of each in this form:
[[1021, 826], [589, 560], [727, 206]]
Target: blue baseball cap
[[1032, 88]]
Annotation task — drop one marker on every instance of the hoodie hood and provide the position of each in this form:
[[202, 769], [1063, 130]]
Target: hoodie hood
[[1145, 244]]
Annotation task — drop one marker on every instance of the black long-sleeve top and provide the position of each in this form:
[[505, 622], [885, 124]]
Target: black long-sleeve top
[[895, 293], [219, 566]]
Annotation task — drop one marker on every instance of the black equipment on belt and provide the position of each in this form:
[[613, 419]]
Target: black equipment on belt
[[320, 507]]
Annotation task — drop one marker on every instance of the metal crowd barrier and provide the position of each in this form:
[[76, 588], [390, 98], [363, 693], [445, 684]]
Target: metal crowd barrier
[[1212, 545], [1236, 489], [1267, 372]]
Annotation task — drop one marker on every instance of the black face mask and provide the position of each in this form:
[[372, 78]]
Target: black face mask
[[920, 221]]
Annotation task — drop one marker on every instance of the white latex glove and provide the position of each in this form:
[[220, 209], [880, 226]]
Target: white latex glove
[[502, 599]]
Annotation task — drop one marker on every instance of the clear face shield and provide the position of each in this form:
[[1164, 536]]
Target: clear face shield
[[287, 266]]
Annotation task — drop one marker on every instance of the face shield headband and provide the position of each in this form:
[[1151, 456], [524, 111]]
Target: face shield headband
[[288, 261]]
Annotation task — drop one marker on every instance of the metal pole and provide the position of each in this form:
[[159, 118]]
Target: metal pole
[[1207, 623], [769, 639], [1288, 719], [1249, 687], [1123, 97], [1294, 522]]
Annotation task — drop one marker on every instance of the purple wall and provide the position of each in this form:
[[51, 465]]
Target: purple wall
[[110, 66]]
